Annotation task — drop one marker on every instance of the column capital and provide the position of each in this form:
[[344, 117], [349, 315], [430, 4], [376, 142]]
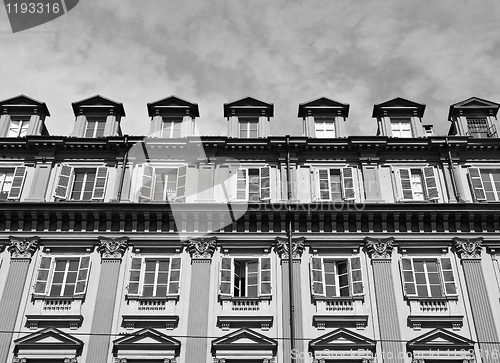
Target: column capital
[[379, 248], [202, 248], [112, 248], [468, 248], [22, 247], [297, 247]]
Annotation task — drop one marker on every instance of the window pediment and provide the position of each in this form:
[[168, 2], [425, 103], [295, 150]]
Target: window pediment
[[98, 105], [323, 106], [146, 339], [248, 106], [440, 339], [173, 105], [247, 342], [398, 107], [48, 339], [342, 343]]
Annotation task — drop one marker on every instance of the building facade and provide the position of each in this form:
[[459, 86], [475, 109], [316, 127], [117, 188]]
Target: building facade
[[176, 247]]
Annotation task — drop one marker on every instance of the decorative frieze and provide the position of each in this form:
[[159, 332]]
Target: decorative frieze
[[468, 248], [202, 248], [22, 247], [283, 249], [379, 248], [112, 248]]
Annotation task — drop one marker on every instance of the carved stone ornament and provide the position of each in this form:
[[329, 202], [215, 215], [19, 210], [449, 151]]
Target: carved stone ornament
[[297, 247], [468, 248], [112, 248], [202, 248], [21, 247], [379, 248]]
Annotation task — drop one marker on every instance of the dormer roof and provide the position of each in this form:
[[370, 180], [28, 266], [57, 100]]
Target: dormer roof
[[24, 104], [173, 105], [98, 104], [473, 106], [398, 107], [248, 106], [323, 107]]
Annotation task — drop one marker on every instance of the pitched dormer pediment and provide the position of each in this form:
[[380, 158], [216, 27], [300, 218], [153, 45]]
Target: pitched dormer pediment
[[24, 105], [323, 107], [473, 106], [440, 339], [22, 116], [248, 106], [48, 343], [98, 105], [97, 116], [342, 339], [173, 105], [398, 107]]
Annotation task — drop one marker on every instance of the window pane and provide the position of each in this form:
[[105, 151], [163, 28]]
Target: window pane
[[73, 265], [148, 291], [330, 291], [150, 266], [135, 275], [174, 288], [162, 278], [55, 290], [71, 277], [252, 291], [58, 277], [161, 291], [149, 278], [175, 275], [69, 289]]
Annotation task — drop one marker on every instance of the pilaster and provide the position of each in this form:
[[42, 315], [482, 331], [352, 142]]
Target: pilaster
[[111, 126], [21, 251], [35, 125], [4, 125], [156, 126], [80, 123]]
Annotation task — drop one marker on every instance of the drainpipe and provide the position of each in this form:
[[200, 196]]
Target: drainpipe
[[122, 176], [458, 196], [290, 249]]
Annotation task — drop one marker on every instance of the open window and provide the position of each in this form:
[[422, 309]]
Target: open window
[[417, 184], [81, 183], [245, 277], [253, 184], [248, 127], [12, 182], [171, 127], [334, 184], [18, 126], [161, 183], [485, 184], [95, 126]]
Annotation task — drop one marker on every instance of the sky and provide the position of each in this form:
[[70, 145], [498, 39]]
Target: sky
[[283, 52]]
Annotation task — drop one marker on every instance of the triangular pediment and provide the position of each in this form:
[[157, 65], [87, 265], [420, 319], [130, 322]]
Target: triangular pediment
[[146, 338], [248, 105], [173, 104], [244, 339], [474, 105], [21, 102], [98, 102], [49, 338], [341, 339], [399, 105], [440, 339], [324, 106]]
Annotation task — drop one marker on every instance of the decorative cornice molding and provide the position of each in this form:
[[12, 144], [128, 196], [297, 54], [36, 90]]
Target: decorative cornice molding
[[22, 247], [112, 248], [202, 248], [379, 248], [468, 248], [297, 247]]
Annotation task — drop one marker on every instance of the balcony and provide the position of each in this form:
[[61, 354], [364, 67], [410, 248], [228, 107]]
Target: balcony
[[61, 312], [482, 131], [151, 312], [332, 312], [245, 312], [434, 313]]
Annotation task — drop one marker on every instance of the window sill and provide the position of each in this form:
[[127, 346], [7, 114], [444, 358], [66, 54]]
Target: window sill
[[152, 298], [232, 298], [442, 298], [57, 298], [338, 298]]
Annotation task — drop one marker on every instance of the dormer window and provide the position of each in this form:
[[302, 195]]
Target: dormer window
[[248, 127], [401, 127], [95, 127], [171, 127], [479, 128], [18, 126], [324, 128]]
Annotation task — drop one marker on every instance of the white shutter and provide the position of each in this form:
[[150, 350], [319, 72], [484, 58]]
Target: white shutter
[[174, 276], [146, 190], [265, 282], [405, 184], [324, 184], [241, 184], [181, 184], [83, 275], [314, 184], [348, 183], [430, 183], [317, 276], [100, 183], [226, 276], [135, 278], [477, 184], [17, 182], [356, 276], [408, 277], [265, 183], [448, 278], [64, 181], [42, 281]]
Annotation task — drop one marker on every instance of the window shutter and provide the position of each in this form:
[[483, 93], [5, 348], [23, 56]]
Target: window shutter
[[408, 277], [241, 184], [100, 183], [17, 182], [324, 184], [404, 177], [63, 184], [448, 278], [174, 277], [314, 184], [146, 190], [181, 184], [348, 183], [83, 275], [226, 276], [265, 276], [265, 183], [317, 280], [42, 280], [356, 276], [477, 184], [134, 280], [430, 183]]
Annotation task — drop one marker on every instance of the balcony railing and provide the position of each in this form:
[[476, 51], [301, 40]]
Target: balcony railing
[[429, 312], [245, 305], [433, 307], [347, 306], [483, 132]]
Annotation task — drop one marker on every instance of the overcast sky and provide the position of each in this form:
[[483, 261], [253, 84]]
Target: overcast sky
[[435, 52]]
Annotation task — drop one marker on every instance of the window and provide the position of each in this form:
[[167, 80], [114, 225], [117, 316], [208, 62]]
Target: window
[[249, 127], [331, 277], [154, 277], [335, 184], [11, 183], [431, 278], [62, 276], [418, 184], [241, 277], [485, 184], [171, 128], [324, 128], [253, 184], [95, 127], [163, 183], [478, 127], [401, 127], [18, 127], [81, 183]]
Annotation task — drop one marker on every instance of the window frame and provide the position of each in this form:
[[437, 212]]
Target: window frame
[[16, 182], [429, 180], [96, 130], [172, 126], [323, 122], [264, 184], [65, 182], [472, 121], [146, 192], [400, 121], [21, 129], [347, 178], [248, 121], [264, 276], [476, 183]]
